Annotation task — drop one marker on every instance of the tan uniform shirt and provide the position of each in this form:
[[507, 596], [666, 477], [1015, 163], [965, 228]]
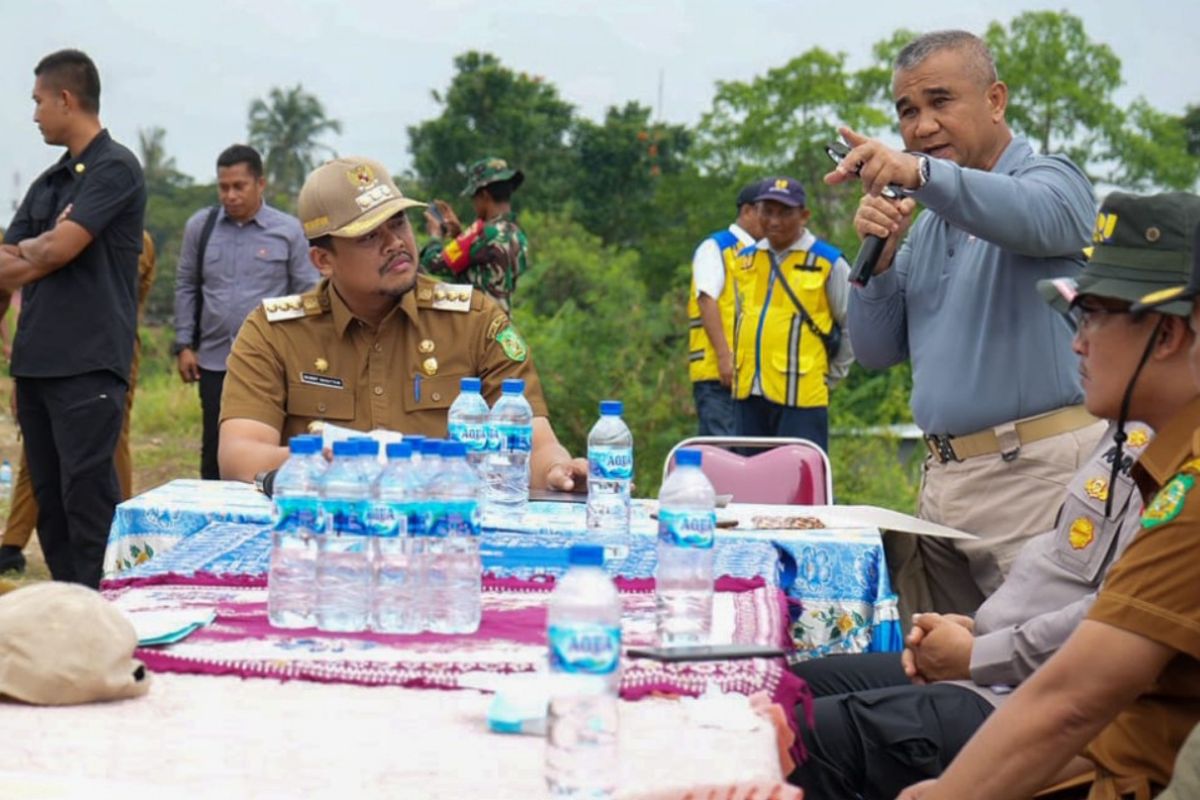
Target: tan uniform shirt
[[306, 358], [1154, 591]]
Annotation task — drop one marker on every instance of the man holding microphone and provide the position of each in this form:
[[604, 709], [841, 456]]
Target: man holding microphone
[[995, 386]]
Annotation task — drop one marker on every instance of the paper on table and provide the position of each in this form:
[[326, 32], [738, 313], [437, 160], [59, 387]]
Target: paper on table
[[869, 517], [168, 627], [331, 433]]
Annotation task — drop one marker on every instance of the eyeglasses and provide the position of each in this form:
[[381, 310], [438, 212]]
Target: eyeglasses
[[1084, 316]]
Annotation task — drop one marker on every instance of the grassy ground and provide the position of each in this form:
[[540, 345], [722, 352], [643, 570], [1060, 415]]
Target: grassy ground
[[165, 442]]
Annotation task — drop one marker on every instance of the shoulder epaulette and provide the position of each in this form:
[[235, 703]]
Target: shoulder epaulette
[[446, 296], [825, 250], [291, 306]]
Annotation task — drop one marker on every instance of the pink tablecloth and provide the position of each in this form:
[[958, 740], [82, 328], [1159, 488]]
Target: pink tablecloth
[[511, 639]]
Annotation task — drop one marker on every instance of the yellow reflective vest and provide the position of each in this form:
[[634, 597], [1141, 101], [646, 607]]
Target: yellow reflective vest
[[772, 341], [702, 357]]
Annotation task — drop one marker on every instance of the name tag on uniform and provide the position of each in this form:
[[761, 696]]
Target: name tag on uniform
[[313, 379]]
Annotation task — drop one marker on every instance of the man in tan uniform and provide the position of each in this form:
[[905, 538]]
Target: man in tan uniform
[[374, 345], [1125, 688], [23, 511]]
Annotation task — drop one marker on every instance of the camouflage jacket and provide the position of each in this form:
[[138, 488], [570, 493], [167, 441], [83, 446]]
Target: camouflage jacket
[[489, 255]]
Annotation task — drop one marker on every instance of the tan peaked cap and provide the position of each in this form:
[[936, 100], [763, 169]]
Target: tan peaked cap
[[63, 644], [349, 197]]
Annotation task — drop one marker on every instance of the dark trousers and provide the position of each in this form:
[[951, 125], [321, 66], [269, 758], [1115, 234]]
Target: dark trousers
[[211, 383], [757, 416], [70, 426], [874, 732], [714, 408]]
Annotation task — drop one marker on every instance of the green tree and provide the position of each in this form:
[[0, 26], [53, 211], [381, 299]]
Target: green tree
[[158, 168], [287, 128], [489, 110], [621, 164]]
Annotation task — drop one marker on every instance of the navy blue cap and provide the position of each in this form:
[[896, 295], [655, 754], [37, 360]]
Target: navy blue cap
[[611, 408], [788, 191], [586, 555], [513, 386], [688, 458], [469, 384], [749, 193], [399, 450]]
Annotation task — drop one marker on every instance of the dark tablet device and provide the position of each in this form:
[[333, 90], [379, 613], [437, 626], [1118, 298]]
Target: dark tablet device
[[557, 497], [707, 652]]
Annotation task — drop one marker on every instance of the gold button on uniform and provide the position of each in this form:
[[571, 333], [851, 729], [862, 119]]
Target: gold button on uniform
[[437, 396], [378, 390], [426, 346], [424, 294], [321, 407], [430, 365], [378, 348]]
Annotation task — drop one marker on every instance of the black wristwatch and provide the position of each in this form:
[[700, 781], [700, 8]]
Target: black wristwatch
[[922, 170], [177, 348], [265, 482]]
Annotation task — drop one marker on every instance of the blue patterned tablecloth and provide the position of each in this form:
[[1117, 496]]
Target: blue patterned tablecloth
[[838, 576]]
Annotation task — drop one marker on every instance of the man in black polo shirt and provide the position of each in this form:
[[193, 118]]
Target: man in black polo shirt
[[73, 246]]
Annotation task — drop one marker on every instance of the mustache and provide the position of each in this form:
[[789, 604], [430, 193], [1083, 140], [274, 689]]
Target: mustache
[[401, 256]]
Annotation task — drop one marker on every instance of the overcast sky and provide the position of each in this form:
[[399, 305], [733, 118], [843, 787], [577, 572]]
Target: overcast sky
[[193, 68]]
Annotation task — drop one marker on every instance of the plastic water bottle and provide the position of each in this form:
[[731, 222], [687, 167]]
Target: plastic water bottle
[[453, 570], [683, 578], [610, 470], [368, 456], [397, 588], [292, 579], [584, 633], [344, 552], [467, 422], [415, 441], [510, 441]]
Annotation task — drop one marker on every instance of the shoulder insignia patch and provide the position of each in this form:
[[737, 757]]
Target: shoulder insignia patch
[[1097, 489], [494, 327], [452, 297], [1083, 531], [1168, 502], [514, 346], [291, 306]]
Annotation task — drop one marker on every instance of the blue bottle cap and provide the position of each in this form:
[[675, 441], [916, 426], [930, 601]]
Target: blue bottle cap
[[688, 458], [345, 448], [415, 440], [400, 450], [513, 386], [297, 445], [586, 555], [611, 408], [454, 450], [431, 447], [469, 384], [368, 447]]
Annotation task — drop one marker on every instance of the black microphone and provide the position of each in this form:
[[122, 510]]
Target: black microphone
[[867, 260]]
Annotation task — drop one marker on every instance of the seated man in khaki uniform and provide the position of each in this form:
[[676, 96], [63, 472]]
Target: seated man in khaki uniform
[[374, 345], [1124, 689]]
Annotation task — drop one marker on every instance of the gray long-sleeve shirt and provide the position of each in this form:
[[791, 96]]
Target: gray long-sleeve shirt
[[960, 299], [1055, 577], [243, 263]]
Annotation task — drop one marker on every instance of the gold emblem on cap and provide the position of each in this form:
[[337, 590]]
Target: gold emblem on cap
[[425, 294], [1096, 488], [426, 346], [430, 366], [361, 176], [1153, 234], [1137, 439], [321, 365], [80, 167], [1083, 531]]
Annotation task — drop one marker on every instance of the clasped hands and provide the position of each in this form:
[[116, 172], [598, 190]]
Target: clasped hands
[[938, 648]]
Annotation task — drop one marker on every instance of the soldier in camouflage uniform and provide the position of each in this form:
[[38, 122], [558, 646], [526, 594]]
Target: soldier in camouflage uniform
[[490, 254]]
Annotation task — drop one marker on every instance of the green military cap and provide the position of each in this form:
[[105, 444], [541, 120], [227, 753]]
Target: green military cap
[[490, 170], [1142, 245]]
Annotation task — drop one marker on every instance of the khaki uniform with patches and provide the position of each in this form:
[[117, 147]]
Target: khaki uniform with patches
[[1154, 591], [1055, 577], [306, 358]]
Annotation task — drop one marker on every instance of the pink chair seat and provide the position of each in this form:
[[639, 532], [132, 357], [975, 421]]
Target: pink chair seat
[[792, 472]]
